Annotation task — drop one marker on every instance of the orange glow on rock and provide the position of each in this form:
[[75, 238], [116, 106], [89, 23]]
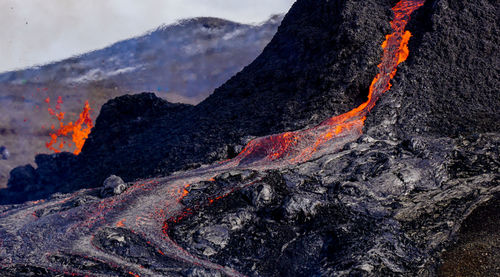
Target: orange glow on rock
[[121, 223], [404, 51], [300, 146], [185, 191]]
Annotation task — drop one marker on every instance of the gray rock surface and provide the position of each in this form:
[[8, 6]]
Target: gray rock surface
[[113, 185], [378, 209], [387, 204]]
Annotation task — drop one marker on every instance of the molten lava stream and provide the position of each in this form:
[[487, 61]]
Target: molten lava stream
[[333, 133], [299, 146]]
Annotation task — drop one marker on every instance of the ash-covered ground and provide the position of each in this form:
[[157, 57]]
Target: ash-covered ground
[[389, 203]]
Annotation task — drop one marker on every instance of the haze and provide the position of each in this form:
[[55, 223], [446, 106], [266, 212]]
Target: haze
[[36, 32]]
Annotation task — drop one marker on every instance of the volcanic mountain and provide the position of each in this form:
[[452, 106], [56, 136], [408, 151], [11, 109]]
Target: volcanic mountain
[[187, 60], [361, 142], [183, 62]]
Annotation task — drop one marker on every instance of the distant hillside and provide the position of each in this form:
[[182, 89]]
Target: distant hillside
[[183, 62], [188, 59]]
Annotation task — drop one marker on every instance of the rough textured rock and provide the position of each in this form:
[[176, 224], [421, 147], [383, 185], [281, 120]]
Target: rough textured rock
[[51, 175], [113, 185], [378, 208], [450, 83], [387, 204], [318, 64], [22, 177]]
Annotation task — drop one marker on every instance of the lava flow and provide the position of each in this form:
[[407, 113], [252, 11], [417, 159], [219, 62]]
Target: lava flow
[[45, 231], [300, 146], [79, 130]]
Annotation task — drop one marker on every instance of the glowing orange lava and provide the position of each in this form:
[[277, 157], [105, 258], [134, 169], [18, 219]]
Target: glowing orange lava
[[302, 145], [79, 130]]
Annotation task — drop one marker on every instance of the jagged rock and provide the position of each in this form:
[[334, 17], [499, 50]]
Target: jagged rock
[[393, 220], [113, 185], [210, 238], [387, 204], [201, 191], [21, 177], [237, 220], [27, 183], [301, 205], [262, 195]]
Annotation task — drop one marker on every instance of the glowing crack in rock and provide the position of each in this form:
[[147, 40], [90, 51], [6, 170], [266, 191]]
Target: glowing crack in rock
[[146, 208]]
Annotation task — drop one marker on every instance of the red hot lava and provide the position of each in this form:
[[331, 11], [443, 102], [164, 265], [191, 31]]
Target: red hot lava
[[79, 130], [300, 146]]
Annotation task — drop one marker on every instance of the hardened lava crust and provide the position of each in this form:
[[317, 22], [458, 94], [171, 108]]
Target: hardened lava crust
[[415, 194]]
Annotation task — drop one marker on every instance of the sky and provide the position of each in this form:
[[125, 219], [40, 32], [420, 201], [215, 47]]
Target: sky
[[35, 32]]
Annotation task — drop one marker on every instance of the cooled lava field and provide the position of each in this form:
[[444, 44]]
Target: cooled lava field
[[363, 141]]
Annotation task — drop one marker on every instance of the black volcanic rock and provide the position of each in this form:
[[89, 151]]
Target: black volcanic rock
[[386, 204], [376, 208], [113, 185], [450, 83], [318, 64], [21, 178], [27, 183]]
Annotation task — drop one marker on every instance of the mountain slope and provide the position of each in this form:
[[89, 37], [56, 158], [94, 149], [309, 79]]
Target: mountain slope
[[188, 59], [183, 63], [312, 68]]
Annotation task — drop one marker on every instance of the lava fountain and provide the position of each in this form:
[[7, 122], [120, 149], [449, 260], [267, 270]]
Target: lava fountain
[[45, 232], [79, 130]]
